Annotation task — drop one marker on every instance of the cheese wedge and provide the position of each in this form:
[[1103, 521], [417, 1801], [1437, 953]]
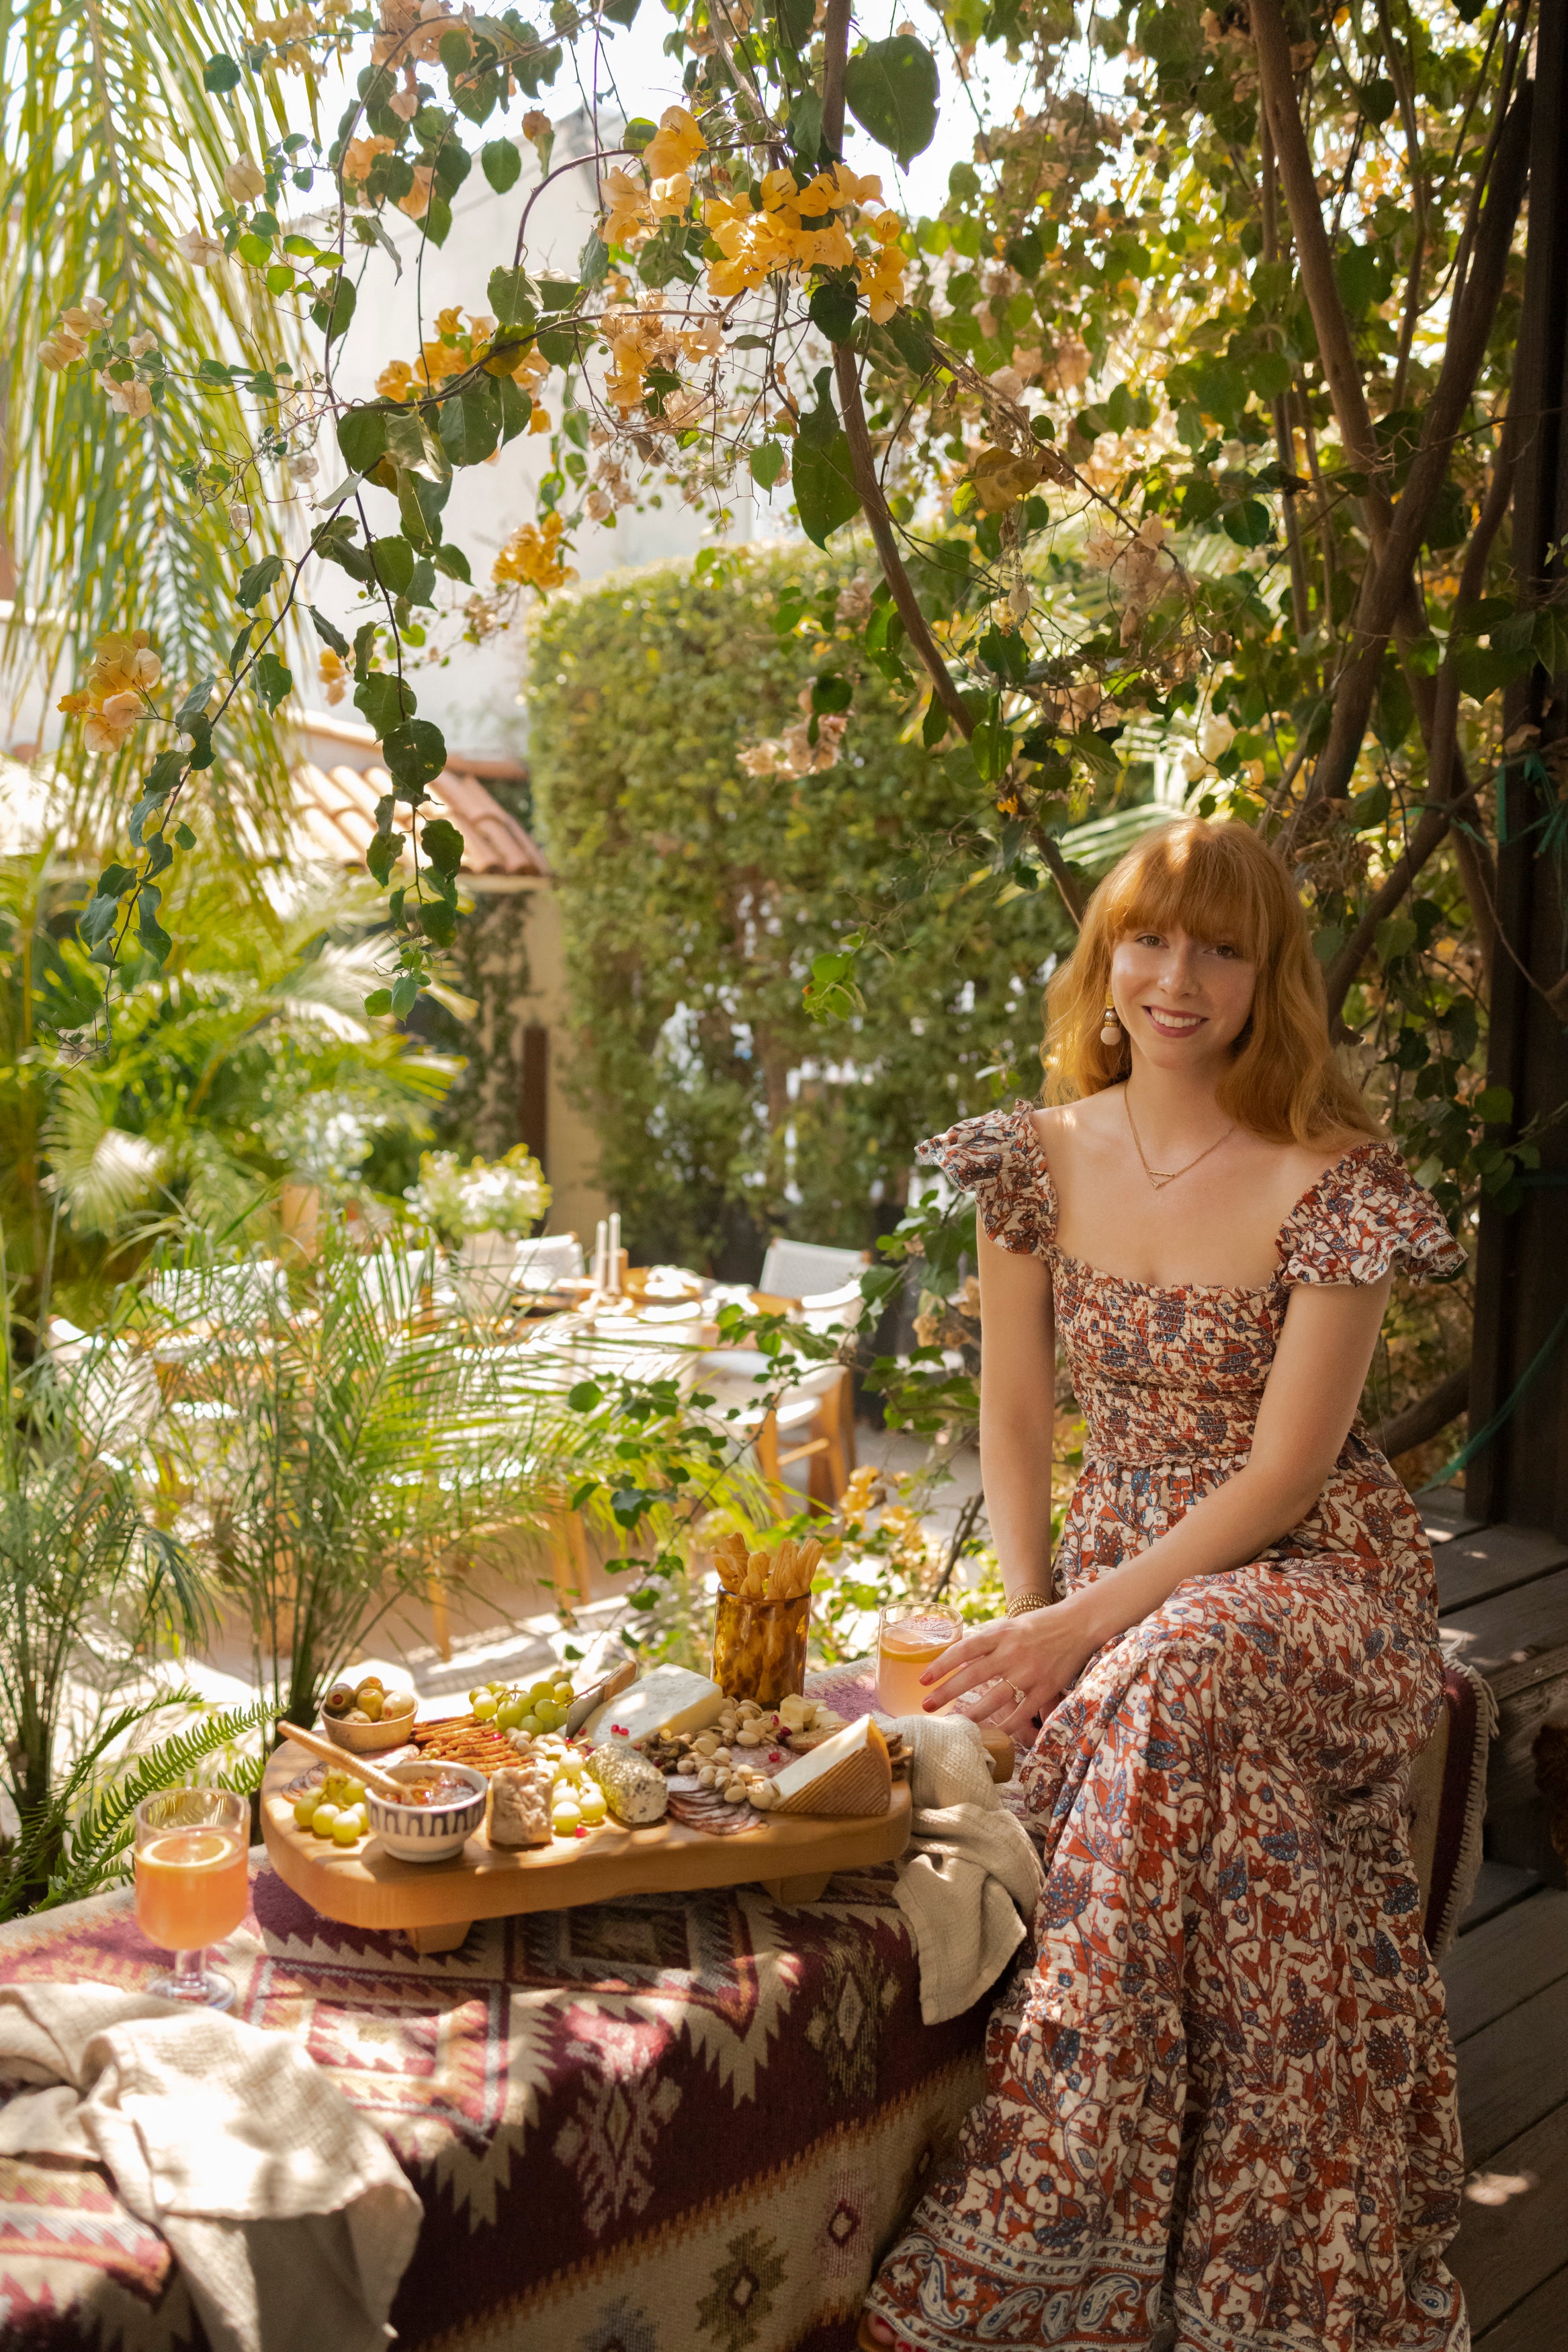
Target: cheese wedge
[[849, 1775], [670, 1699]]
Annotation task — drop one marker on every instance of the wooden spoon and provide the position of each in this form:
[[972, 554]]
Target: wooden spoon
[[330, 1753]]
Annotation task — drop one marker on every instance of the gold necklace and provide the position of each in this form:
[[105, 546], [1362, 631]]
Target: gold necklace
[[1160, 1177]]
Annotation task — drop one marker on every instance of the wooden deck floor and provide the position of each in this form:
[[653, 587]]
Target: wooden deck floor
[[1503, 1599], [1507, 1982]]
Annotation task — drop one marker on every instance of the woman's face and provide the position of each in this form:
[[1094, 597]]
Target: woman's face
[[1182, 1000]]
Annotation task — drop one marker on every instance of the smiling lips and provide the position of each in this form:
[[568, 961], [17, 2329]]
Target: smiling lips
[[1173, 1025]]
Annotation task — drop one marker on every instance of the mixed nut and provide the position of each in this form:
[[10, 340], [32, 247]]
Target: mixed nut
[[730, 1756]]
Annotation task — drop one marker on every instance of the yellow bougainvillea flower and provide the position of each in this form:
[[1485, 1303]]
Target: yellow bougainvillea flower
[[134, 399], [120, 675], [360, 154], [395, 381], [417, 203], [198, 246], [670, 197], [244, 178], [627, 212], [334, 676], [676, 145], [533, 557]]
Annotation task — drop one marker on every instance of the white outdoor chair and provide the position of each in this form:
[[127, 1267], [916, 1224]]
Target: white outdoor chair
[[797, 1270], [821, 1401], [549, 1259]]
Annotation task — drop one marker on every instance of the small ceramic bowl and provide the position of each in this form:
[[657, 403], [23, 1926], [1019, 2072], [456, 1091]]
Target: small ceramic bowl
[[429, 1832], [370, 1738]]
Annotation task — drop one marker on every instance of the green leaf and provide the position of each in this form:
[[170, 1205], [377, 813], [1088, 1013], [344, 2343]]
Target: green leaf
[[328, 633], [832, 693], [832, 310], [404, 995], [256, 580], [1493, 1106], [806, 126], [393, 561], [794, 19], [767, 464], [1378, 99], [469, 428], [438, 921], [332, 315], [194, 706], [992, 745], [892, 89], [517, 407], [381, 854], [220, 73], [452, 561], [1248, 524], [501, 164], [442, 844], [272, 679], [379, 1000], [385, 702], [362, 437], [825, 494], [334, 542], [240, 647], [152, 935], [511, 298], [414, 752]]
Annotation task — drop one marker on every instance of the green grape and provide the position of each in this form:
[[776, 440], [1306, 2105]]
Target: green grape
[[530, 1724], [479, 1693], [305, 1810], [565, 1814], [485, 1708], [354, 1792], [346, 1829], [509, 1715], [323, 1819], [564, 1694], [541, 1690], [547, 1714], [592, 1807]]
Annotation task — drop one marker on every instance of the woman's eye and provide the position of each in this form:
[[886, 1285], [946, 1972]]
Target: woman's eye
[[1149, 939]]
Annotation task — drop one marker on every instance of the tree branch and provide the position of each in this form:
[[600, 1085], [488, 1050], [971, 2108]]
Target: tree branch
[[863, 461], [1388, 604], [1427, 1416]]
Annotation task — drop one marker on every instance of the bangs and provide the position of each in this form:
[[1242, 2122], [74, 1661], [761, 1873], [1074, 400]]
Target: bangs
[[1189, 876]]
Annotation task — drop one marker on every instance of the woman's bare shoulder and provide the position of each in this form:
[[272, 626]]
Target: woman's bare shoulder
[[1062, 1125]]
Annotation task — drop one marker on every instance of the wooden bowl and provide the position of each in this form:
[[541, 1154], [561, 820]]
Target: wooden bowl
[[370, 1738]]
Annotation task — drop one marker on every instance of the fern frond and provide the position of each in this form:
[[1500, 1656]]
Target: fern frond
[[102, 1833]]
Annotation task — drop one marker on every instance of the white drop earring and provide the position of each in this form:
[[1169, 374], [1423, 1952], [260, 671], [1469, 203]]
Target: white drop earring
[[1110, 1030]]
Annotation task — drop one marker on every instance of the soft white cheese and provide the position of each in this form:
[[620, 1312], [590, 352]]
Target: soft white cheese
[[670, 1699]]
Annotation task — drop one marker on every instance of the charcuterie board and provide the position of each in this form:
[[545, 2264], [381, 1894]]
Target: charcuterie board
[[437, 1902]]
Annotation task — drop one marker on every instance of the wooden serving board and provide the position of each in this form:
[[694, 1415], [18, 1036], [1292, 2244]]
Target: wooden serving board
[[436, 1902]]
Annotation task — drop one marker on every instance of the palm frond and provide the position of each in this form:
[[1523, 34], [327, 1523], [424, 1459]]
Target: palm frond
[[100, 1172], [110, 147], [100, 1838]]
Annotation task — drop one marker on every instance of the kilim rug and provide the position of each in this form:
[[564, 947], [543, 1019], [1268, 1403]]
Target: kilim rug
[[672, 2124]]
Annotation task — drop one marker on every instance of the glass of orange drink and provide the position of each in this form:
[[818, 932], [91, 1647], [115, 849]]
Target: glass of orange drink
[[193, 1885], [910, 1635]]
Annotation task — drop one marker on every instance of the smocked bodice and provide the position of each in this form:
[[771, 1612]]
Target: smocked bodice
[[1177, 1374]]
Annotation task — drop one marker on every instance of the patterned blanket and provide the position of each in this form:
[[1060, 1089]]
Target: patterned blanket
[[672, 2124]]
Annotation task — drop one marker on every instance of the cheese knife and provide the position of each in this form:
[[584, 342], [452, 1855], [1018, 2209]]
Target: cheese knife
[[610, 1685]]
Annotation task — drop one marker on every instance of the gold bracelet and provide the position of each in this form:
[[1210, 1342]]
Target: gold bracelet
[[1024, 1601]]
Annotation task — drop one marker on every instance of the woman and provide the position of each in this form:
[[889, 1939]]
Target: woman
[[1220, 2106]]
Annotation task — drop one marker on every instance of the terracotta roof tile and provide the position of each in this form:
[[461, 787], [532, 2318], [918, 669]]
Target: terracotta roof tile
[[337, 815]]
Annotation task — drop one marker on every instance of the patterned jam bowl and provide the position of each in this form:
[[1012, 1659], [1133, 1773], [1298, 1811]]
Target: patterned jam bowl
[[429, 1832]]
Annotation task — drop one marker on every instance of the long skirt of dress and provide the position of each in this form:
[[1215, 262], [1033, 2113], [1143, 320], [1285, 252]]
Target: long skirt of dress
[[1221, 2110]]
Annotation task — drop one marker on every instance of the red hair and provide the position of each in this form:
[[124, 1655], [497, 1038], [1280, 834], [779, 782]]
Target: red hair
[[1215, 882]]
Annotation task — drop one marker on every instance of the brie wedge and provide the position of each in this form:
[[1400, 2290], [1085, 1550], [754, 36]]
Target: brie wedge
[[670, 1699]]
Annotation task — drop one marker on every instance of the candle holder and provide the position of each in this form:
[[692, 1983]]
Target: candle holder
[[759, 1647]]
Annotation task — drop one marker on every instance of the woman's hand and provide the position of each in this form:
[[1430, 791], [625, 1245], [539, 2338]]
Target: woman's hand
[[1036, 1658]]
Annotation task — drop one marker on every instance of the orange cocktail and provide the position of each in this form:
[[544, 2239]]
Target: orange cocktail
[[910, 1637], [193, 1885], [192, 1888]]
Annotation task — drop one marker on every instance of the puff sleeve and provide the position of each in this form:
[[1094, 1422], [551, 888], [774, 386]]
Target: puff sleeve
[[997, 1158], [1366, 1215]]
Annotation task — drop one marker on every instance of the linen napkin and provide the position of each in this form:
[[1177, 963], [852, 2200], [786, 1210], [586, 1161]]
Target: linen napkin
[[970, 1878], [287, 2211]]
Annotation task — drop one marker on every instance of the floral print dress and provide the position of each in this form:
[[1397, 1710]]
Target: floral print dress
[[1220, 2106]]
